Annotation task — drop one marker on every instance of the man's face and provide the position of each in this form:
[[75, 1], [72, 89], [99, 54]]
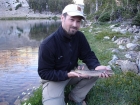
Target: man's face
[[71, 24]]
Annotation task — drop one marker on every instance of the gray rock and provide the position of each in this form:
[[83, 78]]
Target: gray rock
[[126, 66], [130, 30], [131, 55], [115, 51], [4, 103], [114, 58], [132, 46], [122, 47], [17, 102], [138, 61], [114, 38], [136, 31], [122, 41], [107, 37]]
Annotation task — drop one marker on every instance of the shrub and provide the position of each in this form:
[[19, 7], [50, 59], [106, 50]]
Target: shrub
[[10, 9], [136, 20], [105, 17]]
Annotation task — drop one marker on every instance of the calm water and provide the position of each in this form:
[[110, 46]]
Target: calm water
[[19, 42]]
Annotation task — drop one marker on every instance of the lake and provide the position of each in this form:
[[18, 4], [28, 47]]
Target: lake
[[19, 43]]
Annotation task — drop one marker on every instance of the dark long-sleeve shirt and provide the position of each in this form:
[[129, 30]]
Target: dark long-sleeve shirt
[[59, 54]]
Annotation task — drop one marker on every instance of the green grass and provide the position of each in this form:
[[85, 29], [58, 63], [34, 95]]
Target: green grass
[[120, 89], [35, 99]]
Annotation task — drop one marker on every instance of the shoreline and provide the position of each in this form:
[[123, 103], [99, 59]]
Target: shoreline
[[25, 13], [26, 17]]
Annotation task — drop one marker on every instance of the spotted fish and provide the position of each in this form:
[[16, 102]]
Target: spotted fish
[[94, 73]]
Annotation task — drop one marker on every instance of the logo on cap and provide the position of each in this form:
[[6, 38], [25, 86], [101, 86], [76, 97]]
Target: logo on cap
[[78, 8]]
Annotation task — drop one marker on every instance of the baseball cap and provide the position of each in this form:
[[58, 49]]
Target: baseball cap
[[73, 10]]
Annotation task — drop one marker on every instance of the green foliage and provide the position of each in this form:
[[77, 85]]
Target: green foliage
[[136, 20], [125, 9], [108, 33], [19, 5], [35, 99], [122, 89], [55, 6], [37, 5], [104, 17]]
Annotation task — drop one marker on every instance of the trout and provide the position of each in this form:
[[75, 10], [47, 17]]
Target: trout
[[94, 73]]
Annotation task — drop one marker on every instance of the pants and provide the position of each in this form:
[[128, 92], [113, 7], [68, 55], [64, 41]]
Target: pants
[[53, 92]]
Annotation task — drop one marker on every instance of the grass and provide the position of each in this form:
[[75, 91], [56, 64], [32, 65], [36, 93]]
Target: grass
[[120, 89], [35, 99]]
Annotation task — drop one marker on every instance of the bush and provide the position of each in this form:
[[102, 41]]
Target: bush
[[105, 17], [10, 9], [136, 20], [19, 5], [35, 99]]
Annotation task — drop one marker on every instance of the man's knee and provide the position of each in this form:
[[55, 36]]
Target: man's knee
[[54, 101]]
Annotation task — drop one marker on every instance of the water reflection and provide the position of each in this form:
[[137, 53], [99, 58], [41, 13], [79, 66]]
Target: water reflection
[[19, 42], [15, 34]]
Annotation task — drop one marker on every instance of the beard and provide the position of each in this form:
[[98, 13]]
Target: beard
[[72, 30]]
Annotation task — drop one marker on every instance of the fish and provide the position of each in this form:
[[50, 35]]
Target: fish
[[94, 73]]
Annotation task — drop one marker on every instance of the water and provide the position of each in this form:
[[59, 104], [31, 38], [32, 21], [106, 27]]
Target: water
[[19, 42]]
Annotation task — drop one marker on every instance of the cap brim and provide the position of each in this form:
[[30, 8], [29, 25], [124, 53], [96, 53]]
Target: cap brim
[[76, 14]]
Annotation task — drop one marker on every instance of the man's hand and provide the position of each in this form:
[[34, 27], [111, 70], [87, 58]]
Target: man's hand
[[104, 74], [74, 74]]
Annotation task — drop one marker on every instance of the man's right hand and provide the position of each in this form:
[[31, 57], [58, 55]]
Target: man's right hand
[[73, 74]]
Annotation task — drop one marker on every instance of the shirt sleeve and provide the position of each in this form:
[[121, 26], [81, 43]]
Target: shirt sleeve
[[86, 54], [46, 64]]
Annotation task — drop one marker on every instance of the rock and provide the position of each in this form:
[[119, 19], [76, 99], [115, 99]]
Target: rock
[[4, 103], [129, 47], [114, 38], [115, 51], [130, 30], [107, 37], [17, 102], [128, 56], [136, 31], [90, 30], [122, 47], [123, 31], [132, 46], [122, 41], [114, 58], [138, 61], [26, 97], [131, 55], [126, 66]]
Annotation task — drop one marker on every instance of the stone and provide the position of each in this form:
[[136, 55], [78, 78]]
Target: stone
[[17, 102], [126, 66], [4, 103], [122, 47], [132, 46], [107, 37]]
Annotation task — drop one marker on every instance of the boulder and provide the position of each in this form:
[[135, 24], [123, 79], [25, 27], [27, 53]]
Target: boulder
[[126, 66]]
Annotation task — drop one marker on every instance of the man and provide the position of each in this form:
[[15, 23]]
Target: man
[[58, 56]]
